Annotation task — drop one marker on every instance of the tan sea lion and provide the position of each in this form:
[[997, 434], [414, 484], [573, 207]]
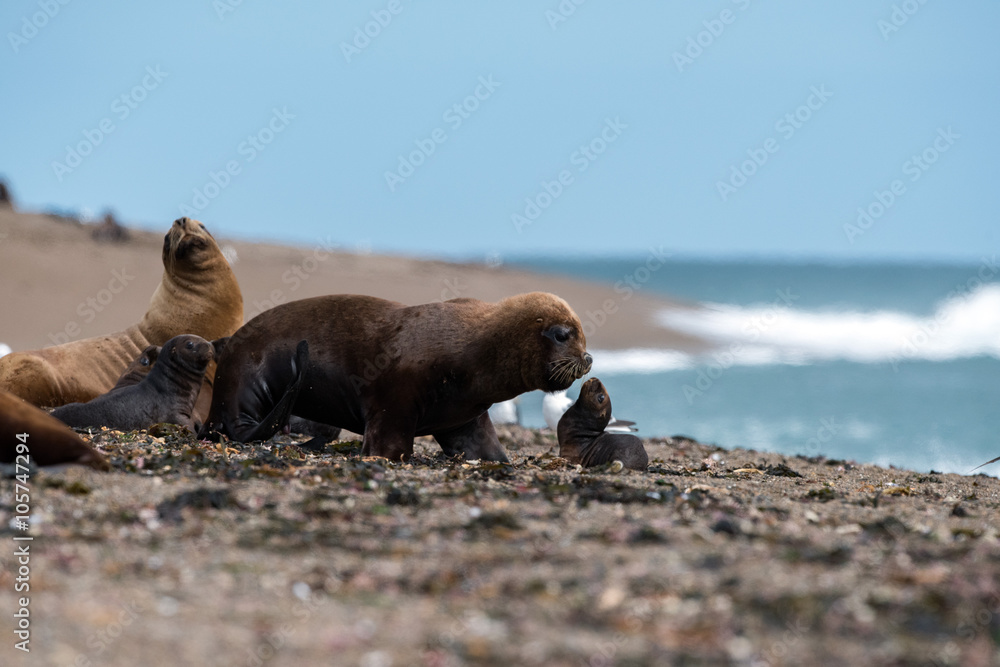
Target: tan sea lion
[[166, 394], [582, 438], [393, 372], [198, 294], [49, 442]]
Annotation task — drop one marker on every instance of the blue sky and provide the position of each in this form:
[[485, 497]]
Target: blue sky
[[662, 132]]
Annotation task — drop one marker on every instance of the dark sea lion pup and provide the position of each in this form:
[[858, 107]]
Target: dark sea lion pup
[[393, 372], [581, 432], [143, 364], [48, 441], [167, 394]]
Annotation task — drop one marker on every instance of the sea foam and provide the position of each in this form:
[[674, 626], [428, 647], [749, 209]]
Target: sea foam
[[962, 326]]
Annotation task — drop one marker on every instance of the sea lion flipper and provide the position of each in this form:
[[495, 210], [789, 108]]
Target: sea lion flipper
[[474, 440], [247, 427]]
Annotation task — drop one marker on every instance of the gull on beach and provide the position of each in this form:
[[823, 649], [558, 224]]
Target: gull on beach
[[555, 405], [507, 412]]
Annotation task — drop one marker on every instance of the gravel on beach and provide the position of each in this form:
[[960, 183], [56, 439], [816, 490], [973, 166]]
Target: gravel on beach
[[272, 554]]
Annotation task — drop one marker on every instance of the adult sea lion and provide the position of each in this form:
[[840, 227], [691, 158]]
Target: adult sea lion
[[198, 294], [581, 432], [167, 394], [393, 372], [49, 442]]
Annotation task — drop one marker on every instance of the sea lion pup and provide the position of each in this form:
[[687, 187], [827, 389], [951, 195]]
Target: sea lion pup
[[48, 440], [167, 394], [581, 432], [141, 367], [198, 294], [392, 372]]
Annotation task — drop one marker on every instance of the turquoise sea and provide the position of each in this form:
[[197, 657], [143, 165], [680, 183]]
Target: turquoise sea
[[896, 364]]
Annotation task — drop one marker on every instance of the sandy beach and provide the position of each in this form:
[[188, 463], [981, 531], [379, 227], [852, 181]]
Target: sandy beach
[[191, 553], [268, 554], [58, 284]]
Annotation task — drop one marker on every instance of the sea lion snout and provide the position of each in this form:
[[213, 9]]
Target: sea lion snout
[[588, 363]]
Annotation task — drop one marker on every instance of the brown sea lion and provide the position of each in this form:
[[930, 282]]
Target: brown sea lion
[[581, 432], [393, 372], [167, 394], [49, 442], [198, 294]]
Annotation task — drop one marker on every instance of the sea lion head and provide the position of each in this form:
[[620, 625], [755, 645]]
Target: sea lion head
[[188, 353], [595, 403], [557, 353], [148, 356], [189, 245], [198, 293]]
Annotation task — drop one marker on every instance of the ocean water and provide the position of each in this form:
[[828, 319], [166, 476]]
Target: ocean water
[[895, 364]]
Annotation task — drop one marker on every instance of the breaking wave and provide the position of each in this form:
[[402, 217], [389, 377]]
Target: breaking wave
[[962, 326]]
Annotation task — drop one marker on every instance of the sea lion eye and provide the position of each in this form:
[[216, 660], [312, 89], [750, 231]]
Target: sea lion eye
[[190, 345], [601, 398], [559, 333], [144, 361]]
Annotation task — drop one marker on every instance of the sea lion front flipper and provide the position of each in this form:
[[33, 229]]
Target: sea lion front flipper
[[474, 440], [248, 427]]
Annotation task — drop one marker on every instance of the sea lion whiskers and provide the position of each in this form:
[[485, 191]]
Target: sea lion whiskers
[[566, 369]]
